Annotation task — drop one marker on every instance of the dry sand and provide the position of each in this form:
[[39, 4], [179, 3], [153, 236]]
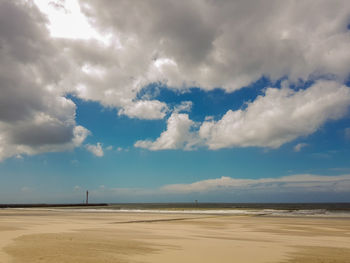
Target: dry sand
[[28, 236]]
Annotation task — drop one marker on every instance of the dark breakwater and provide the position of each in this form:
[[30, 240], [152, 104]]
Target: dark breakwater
[[49, 205]]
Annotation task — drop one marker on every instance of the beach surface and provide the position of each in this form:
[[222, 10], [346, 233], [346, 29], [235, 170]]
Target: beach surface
[[44, 235]]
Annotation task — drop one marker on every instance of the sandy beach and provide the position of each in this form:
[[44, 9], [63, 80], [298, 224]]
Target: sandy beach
[[39, 235]]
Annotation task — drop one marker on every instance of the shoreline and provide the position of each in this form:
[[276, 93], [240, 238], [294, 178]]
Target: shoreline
[[311, 213], [333, 206]]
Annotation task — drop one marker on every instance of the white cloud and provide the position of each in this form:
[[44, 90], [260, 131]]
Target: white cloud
[[35, 115], [145, 109], [178, 135], [280, 116], [277, 117], [180, 44], [184, 106], [347, 133], [299, 187], [95, 149], [299, 146], [104, 74], [226, 44], [18, 156], [198, 43], [8, 149], [207, 44], [294, 183], [109, 148]]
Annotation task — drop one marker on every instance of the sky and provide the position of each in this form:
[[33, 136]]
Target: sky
[[174, 101]]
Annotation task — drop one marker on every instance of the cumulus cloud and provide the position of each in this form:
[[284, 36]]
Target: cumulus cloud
[[279, 116], [35, 115], [229, 189], [109, 148], [8, 149], [347, 133], [103, 73], [95, 149], [77, 188], [179, 44], [226, 44], [178, 135], [149, 109], [184, 106], [292, 183], [274, 118], [207, 44], [299, 146]]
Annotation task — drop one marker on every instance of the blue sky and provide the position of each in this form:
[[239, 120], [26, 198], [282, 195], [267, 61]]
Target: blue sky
[[124, 166], [152, 114]]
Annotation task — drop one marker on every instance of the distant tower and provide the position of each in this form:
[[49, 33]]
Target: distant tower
[[87, 197]]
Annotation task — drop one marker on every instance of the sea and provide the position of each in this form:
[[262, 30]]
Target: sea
[[254, 209]]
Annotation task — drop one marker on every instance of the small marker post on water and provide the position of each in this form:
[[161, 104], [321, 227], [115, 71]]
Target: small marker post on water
[[87, 197]]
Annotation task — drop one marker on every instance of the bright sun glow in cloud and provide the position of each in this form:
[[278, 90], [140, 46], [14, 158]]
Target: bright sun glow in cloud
[[67, 20]]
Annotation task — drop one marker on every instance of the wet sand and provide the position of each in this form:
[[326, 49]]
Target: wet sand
[[69, 236]]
